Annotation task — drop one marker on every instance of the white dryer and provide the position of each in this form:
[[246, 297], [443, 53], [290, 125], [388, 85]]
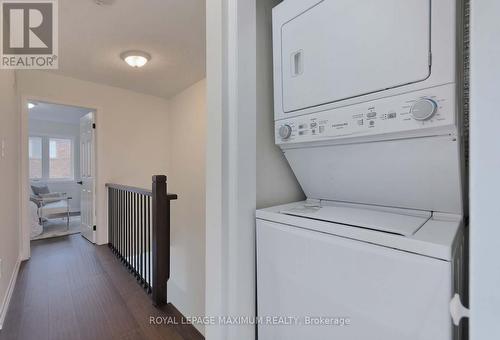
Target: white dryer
[[367, 114]]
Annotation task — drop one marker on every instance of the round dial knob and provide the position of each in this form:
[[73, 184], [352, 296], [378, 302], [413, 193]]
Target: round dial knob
[[423, 109], [285, 131]]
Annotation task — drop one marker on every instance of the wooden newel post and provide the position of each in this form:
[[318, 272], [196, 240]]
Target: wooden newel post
[[161, 240]]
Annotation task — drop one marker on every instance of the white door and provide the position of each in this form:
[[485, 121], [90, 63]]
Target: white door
[[87, 173]]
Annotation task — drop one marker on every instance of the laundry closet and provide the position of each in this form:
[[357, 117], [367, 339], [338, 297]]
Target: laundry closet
[[368, 114]]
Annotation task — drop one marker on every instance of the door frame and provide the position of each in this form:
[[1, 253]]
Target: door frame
[[24, 225]]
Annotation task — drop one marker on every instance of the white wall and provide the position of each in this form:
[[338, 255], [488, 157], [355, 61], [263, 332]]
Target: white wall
[[187, 132], [484, 171], [132, 130], [276, 183], [9, 183], [56, 129]]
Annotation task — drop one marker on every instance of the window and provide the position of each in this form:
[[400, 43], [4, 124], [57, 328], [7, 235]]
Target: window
[[51, 158], [61, 158], [53, 149], [35, 155]]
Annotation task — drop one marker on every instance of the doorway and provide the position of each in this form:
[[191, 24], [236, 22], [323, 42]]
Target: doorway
[[60, 174]]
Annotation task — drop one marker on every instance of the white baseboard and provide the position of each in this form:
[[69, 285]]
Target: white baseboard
[[8, 295]]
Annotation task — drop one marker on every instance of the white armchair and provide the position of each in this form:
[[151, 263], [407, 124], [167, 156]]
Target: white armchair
[[49, 204]]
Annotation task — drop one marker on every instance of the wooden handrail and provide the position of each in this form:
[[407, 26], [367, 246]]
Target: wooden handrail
[[137, 190]]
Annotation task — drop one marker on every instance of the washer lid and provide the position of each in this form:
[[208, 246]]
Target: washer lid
[[437, 238], [389, 222]]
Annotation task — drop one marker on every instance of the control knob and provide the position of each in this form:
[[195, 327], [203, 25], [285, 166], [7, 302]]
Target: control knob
[[285, 131], [423, 109]]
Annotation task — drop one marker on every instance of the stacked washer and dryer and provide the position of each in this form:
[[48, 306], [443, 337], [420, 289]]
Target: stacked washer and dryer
[[368, 115]]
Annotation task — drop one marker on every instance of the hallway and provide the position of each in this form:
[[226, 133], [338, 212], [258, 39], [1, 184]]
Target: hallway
[[70, 289]]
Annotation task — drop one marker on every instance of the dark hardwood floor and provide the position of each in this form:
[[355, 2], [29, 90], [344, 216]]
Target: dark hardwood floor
[[71, 289]]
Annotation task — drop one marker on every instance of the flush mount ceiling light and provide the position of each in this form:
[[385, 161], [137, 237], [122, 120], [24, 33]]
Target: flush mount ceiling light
[[135, 58], [31, 105]]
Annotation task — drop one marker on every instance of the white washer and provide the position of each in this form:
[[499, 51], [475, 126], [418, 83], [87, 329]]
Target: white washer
[[389, 272]]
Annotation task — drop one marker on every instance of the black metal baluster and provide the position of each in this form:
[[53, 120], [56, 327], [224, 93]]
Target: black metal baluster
[[127, 216], [113, 217], [131, 231], [136, 242], [146, 258], [120, 223], [141, 226], [110, 218], [150, 265], [135, 234], [116, 218], [117, 223], [110, 231], [143, 238], [119, 212], [128, 229], [132, 198], [144, 252], [110, 239], [120, 252], [131, 213], [127, 213], [123, 226], [137, 239]]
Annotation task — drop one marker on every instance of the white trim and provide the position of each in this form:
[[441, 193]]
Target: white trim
[[8, 295], [214, 252], [24, 167], [214, 304], [231, 165]]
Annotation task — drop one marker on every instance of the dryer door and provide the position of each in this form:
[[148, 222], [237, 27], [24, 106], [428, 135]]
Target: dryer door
[[341, 49]]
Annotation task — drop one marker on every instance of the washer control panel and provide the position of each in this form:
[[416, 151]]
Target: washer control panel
[[433, 107]]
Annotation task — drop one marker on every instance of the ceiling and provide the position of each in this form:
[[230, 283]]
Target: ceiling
[[92, 37], [57, 113]]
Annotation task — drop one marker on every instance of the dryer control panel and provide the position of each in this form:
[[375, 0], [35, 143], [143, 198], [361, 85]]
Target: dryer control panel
[[429, 108]]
